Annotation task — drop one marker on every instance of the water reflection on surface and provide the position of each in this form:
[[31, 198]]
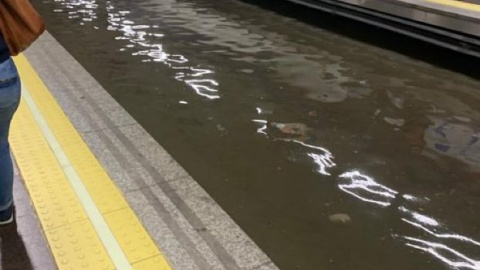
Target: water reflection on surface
[[366, 189], [146, 43], [343, 126], [436, 249]]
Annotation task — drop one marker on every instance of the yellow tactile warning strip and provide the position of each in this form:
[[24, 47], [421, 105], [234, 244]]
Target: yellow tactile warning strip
[[456, 4], [86, 220]]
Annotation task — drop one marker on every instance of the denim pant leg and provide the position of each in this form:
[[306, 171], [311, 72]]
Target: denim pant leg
[[9, 100]]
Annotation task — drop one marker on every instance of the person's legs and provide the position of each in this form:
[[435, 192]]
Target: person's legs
[[9, 100], [6, 166]]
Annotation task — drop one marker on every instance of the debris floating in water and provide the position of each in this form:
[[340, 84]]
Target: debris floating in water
[[291, 128], [340, 218]]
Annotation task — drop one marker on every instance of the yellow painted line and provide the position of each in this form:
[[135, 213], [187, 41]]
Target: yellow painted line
[[456, 4], [74, 242], [86, 219], [104, 233]]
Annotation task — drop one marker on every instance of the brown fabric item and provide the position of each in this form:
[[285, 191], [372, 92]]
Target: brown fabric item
[[20, 24]]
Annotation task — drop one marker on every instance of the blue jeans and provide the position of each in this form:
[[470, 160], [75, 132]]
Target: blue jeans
[[9, 100]]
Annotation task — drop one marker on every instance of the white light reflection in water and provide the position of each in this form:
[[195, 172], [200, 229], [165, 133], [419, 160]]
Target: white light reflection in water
[[419, 217], [80, 9], [366, 189], [438, 250], [323, 158], [143, 41], [202, 90], [410, 197], [443, 235], [323, 161], [263, 128]]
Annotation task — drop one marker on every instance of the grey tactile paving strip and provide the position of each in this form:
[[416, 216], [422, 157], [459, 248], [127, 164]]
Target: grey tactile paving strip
[[186, 223]]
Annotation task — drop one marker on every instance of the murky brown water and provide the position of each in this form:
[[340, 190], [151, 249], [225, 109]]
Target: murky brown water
[[286, 123]]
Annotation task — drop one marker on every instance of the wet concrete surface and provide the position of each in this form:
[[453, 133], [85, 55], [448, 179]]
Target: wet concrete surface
[[288, 118]]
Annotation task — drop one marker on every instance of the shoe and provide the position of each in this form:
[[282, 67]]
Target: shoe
[[6, 216]]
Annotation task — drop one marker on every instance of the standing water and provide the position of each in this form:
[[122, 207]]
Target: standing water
[[329, 152]]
